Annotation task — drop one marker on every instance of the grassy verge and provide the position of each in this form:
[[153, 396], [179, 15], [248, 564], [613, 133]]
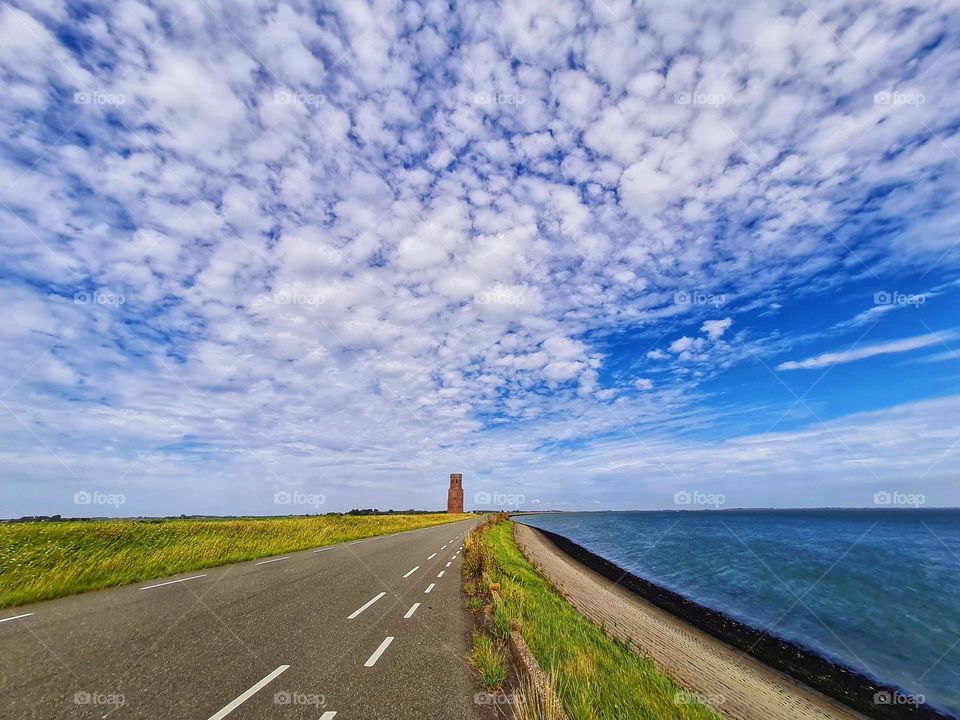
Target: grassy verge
[[487, 660], [595, 676], [40, 561]]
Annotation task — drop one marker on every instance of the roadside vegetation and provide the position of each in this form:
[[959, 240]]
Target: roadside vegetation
[[44, 560], [595, 677], [487, 660]]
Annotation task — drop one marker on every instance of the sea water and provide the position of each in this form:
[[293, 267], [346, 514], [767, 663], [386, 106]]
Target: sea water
[[875, 590]]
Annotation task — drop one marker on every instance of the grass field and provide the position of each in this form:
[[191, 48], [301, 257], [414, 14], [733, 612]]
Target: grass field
[[40, 561], [595, 676]]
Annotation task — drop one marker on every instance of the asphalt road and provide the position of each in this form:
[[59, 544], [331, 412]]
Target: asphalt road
[[360, 631]]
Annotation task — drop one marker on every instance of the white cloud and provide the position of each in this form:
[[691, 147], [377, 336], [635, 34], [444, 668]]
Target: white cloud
[[716, 328], [866, 351], [348, 244]]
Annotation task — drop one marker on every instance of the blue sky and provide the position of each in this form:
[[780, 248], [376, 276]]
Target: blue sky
[[296, 257]]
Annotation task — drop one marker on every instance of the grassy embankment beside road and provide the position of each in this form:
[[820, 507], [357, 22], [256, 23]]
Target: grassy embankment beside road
[[595, 676], [44, 560]]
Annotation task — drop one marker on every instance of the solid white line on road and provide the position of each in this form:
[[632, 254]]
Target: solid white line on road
[[449, 563], [363, 607], [17, 617], [249, 693], [329, 715], [411, 611], [264, 562], [429, 588], [171, 582], [411, 572], [372, 660], [432, 556], [440, 575]]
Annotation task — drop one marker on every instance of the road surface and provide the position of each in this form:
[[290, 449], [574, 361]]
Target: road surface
[[360, 631]]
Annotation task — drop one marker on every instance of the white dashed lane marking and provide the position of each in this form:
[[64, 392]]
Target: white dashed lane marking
[[248, 694], [169, 582], [363, 607], [372, 660], [17, 617]]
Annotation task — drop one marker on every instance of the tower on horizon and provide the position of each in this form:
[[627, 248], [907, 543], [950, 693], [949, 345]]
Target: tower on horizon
[[455, 494]]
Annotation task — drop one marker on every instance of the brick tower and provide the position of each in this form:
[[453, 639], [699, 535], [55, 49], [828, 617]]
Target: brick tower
[[455, 494]]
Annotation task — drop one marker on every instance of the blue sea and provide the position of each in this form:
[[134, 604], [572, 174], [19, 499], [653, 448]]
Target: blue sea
[[876, 590]]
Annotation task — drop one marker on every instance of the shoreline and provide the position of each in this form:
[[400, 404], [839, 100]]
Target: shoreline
[[755, 673]]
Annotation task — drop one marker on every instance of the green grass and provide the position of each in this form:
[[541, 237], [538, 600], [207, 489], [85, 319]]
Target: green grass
[[596, 677], [40, 561], [488, 661], [474, 604]]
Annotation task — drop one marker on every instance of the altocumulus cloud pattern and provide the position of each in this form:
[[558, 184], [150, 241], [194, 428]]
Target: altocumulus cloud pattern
[[591, 252]]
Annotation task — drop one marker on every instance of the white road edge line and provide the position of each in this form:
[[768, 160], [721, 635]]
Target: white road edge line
[[170, 582], [249, 693], [429, 588], [323, 549], [411, 611], [329, 715], [411, 572], [372, 660], [264, 562], [432, 556], [17, 617], [363, 607]]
